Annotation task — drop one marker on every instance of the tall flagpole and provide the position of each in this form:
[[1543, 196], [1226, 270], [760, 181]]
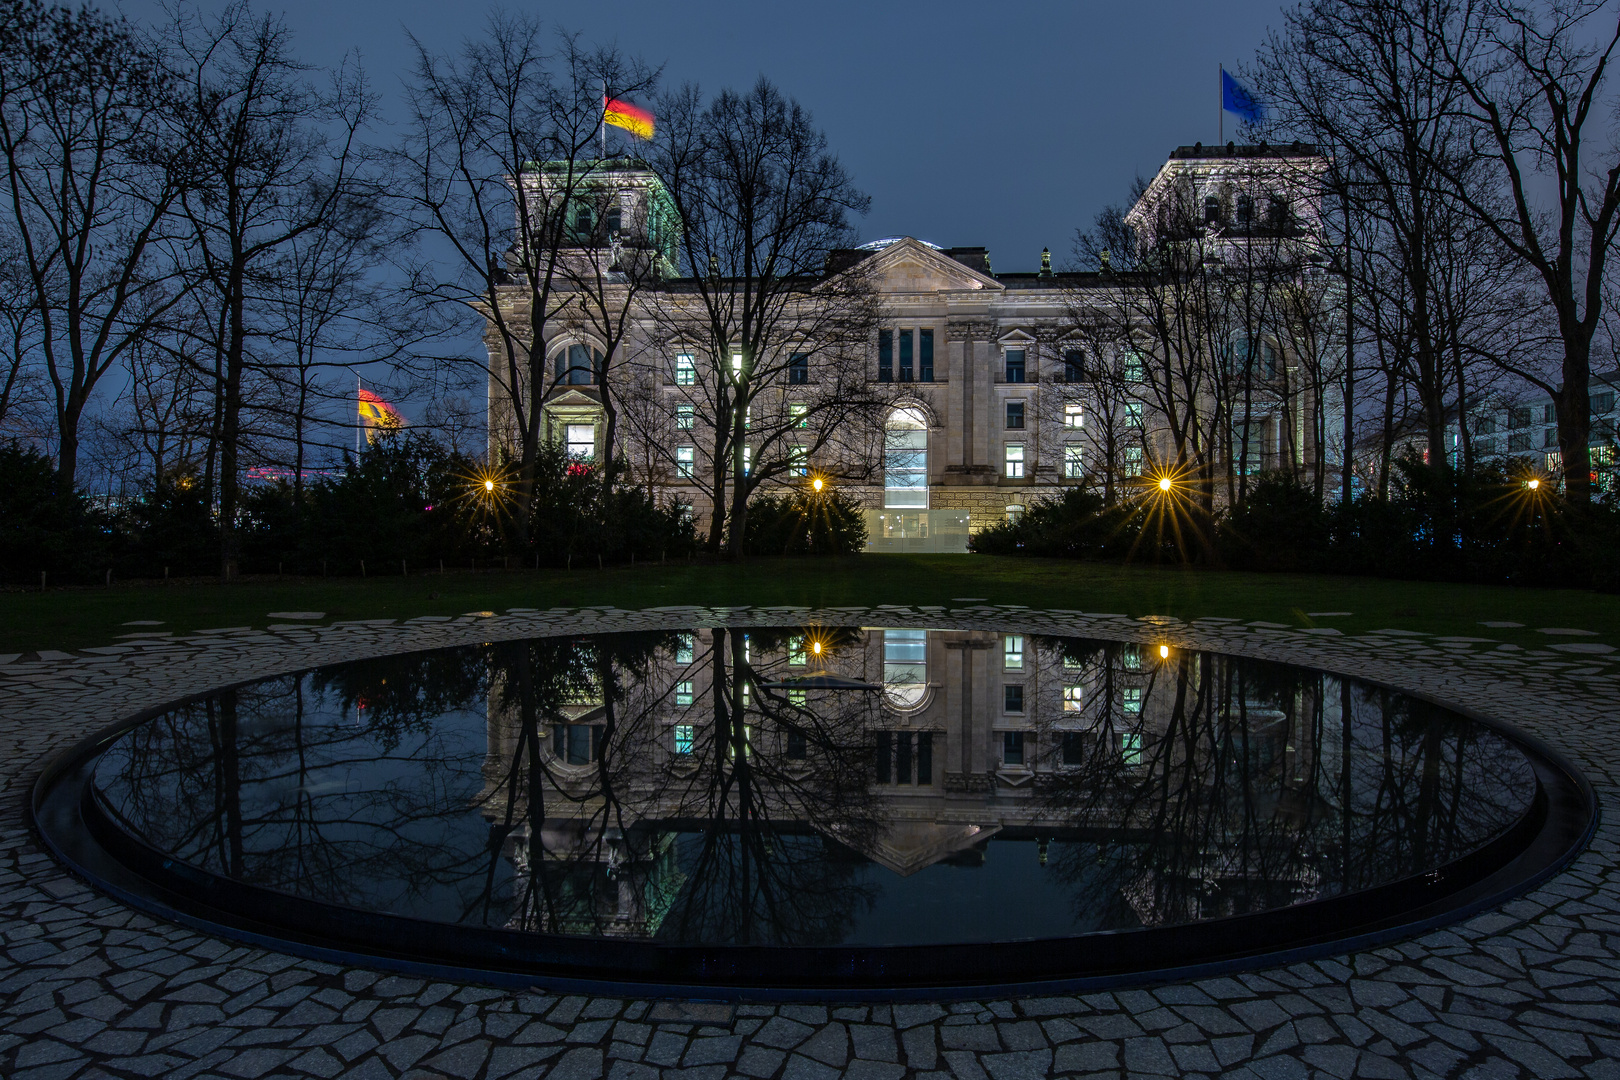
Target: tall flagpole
[[601, 124], [1220, 103], [357, 414]]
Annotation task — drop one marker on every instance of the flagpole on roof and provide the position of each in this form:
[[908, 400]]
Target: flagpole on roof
[[601, 124], [1220, 103]]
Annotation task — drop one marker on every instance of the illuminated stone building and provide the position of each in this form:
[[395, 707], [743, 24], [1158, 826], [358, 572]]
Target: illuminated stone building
[[1003, 388]]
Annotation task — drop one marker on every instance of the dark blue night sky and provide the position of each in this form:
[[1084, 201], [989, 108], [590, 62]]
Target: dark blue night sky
[[1005, 125]]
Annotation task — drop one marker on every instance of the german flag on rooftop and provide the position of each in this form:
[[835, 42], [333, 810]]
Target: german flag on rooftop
[[637, 121]]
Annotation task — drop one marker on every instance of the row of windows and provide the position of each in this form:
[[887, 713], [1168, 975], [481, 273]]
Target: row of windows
[[1074, 747], [1012, 698], [1524, 416]]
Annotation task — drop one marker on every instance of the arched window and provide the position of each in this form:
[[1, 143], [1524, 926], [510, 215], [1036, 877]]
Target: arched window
[[905, 460], [905, 668]]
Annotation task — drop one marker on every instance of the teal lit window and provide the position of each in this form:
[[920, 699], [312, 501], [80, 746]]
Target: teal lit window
[[683, 738], [1130, 749], [683, 693], [1074, 462], [1132, 702], [685, 369], [684, 649], [684, 416], [684, 456]]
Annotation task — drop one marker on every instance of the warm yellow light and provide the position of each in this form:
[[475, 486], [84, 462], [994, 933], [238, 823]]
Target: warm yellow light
[[815, 647], [1164, 483], [1534, 484], [489, 485], [816, 483], [1164, 652]]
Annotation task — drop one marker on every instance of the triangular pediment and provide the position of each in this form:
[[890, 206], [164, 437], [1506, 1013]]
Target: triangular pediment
[[910, 266], [906, 847], [568, 396]]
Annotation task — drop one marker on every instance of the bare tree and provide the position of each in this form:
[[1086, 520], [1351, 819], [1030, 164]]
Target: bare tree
[[501, 154], [1532, 81], [781, 342], [272, 158], [89, 186]]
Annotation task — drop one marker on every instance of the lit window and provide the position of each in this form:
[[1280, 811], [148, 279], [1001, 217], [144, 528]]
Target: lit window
[[1012, 698], [683, 738], [748, 459], [797, 698], [796, 652], [683, 649], [684, 457], [1131, 365], [1133, 414], [684, 415], [1130, 658], [1015, 459], [1072, 698], [1132, 702], [1074, 416], [905, 667], [1074, 462], [1015, 415], [800, 415], [683, 693], [737, 366], [905, 460], [1130, 749], [1015, 365], [685, 369], [1130, 463], [1012, 747], [581, 441], [1015, 513], [799, 460], [1012, 650]]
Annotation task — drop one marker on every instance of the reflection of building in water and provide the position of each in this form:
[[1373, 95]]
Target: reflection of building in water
[[911, 747]]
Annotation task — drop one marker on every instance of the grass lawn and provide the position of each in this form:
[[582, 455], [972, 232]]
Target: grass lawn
[[75, 618]]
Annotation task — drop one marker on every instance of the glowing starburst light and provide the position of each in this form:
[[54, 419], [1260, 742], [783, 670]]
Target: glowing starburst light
[[1164, 652], [1165, 483]]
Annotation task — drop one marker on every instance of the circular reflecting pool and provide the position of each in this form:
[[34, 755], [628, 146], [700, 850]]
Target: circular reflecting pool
[[764, 809]]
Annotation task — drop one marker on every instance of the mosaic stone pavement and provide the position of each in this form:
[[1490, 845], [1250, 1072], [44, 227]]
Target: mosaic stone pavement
[[89, 988]]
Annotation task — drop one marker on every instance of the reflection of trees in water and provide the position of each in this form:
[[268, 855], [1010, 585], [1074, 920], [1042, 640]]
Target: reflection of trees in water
[[277, 783], [706, 845], [1257, 785]]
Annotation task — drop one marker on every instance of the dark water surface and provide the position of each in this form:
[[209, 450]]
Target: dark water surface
[[896, 787]]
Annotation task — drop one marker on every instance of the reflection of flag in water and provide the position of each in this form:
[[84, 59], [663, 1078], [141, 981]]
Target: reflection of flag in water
[[378, 413], [635, 120]]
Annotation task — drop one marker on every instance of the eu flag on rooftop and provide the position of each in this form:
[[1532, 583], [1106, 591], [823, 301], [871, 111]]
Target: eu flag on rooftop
[[1238, 99]]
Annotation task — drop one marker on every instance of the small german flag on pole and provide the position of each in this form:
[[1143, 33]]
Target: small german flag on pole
[[636, 121]]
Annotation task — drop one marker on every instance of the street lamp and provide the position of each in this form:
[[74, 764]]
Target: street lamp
[[818, 484], [1165, 483]]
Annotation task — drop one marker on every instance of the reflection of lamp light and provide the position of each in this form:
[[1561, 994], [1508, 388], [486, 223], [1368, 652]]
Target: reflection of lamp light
[[1533, 484], [1164, 652]]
